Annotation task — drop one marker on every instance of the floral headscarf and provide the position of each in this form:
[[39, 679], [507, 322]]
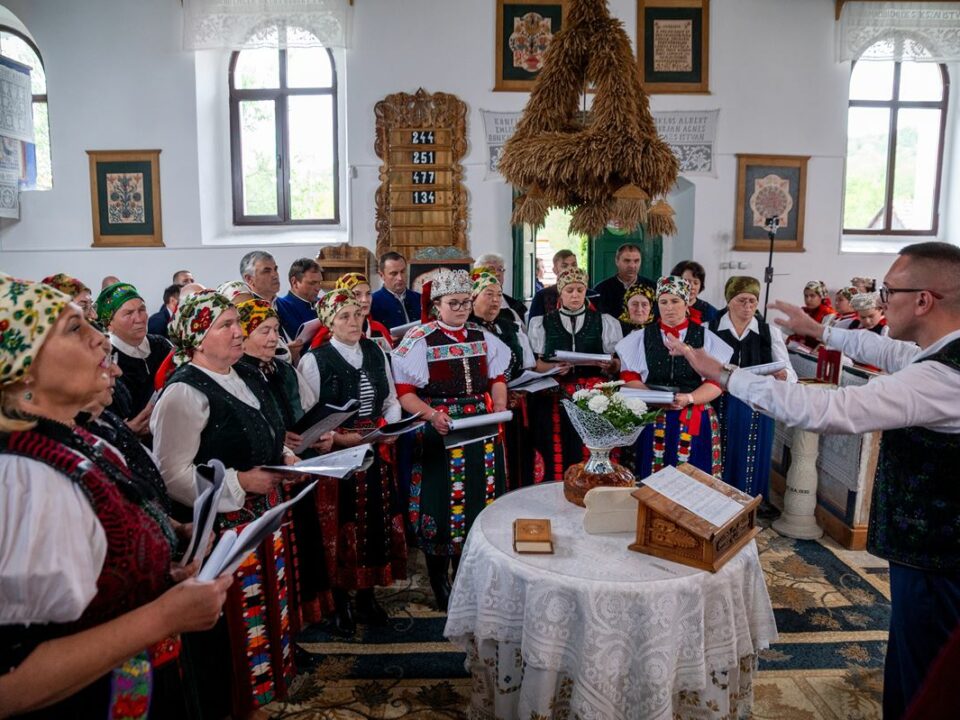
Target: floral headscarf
[[112, 298], [632, 292], [253, 313], [232, 288], [194, 316], [817, 286], [482, 279], [66, 284], [350, 280], [332, 303], [27, 312], [674, 285], [571, 275], [848, 292], [864, 302]]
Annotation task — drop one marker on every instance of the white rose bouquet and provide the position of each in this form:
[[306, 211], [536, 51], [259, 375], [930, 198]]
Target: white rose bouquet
[[625, 414]]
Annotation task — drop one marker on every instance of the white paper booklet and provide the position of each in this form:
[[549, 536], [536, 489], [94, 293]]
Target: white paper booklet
[[330, 418], [393, 429], [337, 464], [578, 358], [530, 377], [702, 500], [767, 368], [400, 330], [309, 330], [209, 484], [479, 420], [233, 549], [650, 397]]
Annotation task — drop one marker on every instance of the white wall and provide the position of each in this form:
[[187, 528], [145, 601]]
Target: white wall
[[117, 78]]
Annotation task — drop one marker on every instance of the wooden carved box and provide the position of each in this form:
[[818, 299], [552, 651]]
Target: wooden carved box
[[670, 531]]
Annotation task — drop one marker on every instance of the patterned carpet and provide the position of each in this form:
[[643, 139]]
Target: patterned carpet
[[831, 607]]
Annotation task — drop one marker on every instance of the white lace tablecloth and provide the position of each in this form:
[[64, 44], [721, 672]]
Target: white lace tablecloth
[[599, 631]]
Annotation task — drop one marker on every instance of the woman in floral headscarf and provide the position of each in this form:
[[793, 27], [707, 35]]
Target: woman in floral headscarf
[[816, 304], [77, 290], [357, 285], [85, 558], [361, 516], [638, 304], [688, 431], [845, 314], [213, 408], [573, 326]]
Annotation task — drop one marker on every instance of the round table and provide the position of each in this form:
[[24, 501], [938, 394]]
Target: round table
[[598, 631]]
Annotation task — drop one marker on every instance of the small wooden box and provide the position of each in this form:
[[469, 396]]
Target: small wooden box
[[669, 531]]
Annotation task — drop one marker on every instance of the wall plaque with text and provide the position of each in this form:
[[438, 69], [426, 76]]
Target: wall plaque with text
[[673, 45]]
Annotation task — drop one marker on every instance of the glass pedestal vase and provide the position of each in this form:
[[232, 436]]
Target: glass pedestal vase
[[597, 471]]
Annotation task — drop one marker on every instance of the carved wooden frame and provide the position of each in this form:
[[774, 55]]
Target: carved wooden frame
[[422, 109]]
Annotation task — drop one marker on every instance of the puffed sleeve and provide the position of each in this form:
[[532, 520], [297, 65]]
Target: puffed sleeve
[[633, 359], [410, 365], [308, 396], [52, 545], [716, 347], [498, 355], [310, 372], [529, 360], [391, 406], [612, 333], [178, 419], [538, 338]]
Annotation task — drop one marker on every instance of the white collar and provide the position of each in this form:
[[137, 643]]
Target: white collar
[[345, 349], [727, 324], [449, 328], [140, 351], [399, 297]]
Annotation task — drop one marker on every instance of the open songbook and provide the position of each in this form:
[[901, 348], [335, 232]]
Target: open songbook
[[232, 548], [532, 381], [308, 331], [395, 428], [321, 419], [209, 484], [337, 464]]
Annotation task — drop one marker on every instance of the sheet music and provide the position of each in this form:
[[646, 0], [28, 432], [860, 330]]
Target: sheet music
[[337, 464], [209, 491], [393, 429], [478, 420], [330, 422], [702, 500], [767, 368], [578, 358], [650, 397], [309, 330], [530, 376]]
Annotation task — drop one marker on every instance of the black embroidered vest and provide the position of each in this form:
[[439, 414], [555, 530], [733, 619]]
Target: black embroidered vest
[[665, 370], [589, 336], [505, 328], [340, 381], [239, 435], [754, 349], [283, 385], [456, 368], [915, 511], [138, 375]]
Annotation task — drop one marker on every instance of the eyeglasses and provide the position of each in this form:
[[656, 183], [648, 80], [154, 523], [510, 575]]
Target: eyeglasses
[[886, 292], [457, 305]]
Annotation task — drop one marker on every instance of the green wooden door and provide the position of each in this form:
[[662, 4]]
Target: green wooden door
[[603, 253]]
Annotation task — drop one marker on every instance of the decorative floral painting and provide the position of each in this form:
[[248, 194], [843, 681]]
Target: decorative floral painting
[[125, 198], [770, 186], [524, 31]]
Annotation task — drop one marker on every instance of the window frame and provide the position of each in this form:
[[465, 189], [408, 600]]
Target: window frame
[[34, 99], [894, 105], [279, 97]]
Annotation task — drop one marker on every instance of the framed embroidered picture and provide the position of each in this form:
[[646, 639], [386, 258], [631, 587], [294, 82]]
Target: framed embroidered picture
[[673, 45], [771, 190], [524, 31], [125, 198]]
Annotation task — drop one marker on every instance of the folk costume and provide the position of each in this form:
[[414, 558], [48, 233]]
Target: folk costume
[[452, 369], [361, 517], [140, 363], [372, 330], [108, 550], [746, 436], [204, 415], [519, 454], [691, 434], [819, 314], [839, 319], [585, 330], [627, 325], [867, 302]]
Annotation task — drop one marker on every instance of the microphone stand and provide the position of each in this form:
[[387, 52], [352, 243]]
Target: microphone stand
[[773, 223]]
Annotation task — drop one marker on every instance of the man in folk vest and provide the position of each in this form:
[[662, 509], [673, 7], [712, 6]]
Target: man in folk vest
[[915, 511]]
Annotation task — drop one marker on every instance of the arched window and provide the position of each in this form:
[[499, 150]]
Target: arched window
[[895, 130], [283, 131], [16, 46]]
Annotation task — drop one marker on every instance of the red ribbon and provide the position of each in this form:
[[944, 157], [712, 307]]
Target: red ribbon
[[674, 331]]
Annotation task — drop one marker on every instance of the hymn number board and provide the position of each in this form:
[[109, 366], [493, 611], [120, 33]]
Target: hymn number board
[[421, 202]]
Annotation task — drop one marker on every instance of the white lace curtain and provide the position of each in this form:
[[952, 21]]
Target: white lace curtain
[[899, 31], [244, 24]]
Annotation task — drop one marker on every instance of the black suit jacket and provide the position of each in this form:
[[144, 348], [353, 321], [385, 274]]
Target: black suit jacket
[[157, 323]]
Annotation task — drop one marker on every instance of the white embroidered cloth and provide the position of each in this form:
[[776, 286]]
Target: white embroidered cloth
[[625, 634]]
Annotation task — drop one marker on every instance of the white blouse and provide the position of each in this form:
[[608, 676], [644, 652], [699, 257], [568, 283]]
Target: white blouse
[[353, 354], [411, 368], [52, 545], [181, 414], [778, 347], [611, 334], [634, 359]]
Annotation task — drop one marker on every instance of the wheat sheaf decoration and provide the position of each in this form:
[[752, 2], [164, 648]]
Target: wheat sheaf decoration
[[612, 167]]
